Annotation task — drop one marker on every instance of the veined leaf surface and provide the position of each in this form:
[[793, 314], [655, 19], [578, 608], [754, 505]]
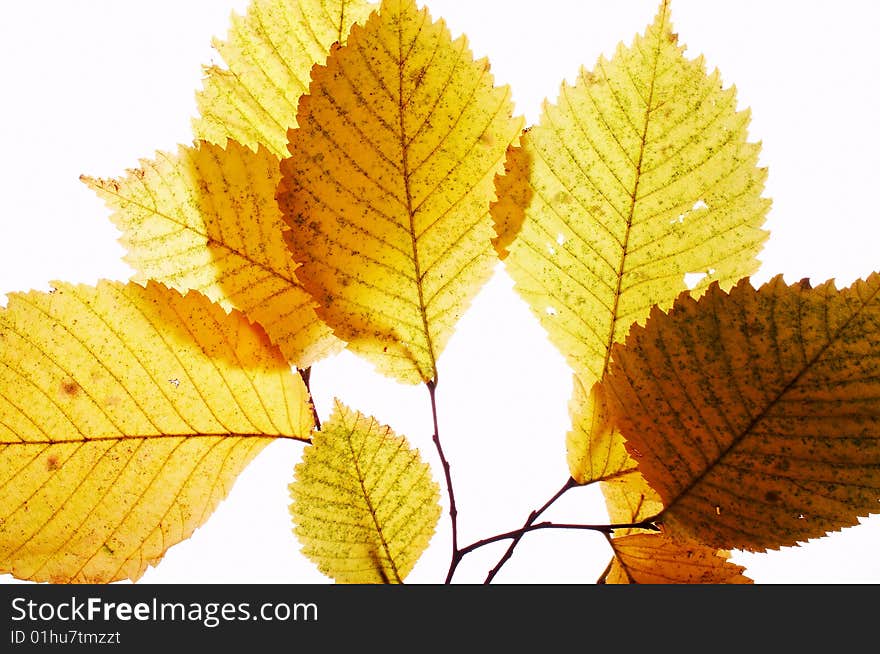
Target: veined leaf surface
[[641, 174], [269, 53], [388, 186], [127, 414], [630, 499], [754, 414], [658, 559], [594, 448], [364, 504], [206, 219]]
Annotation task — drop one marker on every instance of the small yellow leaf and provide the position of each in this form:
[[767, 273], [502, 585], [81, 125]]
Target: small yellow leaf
[[269, 53], [128, 413], [594, 447], [364, 504], [206, 219], [754, 414], [388, 186], [658, 559], [641, 181], [630, 499]]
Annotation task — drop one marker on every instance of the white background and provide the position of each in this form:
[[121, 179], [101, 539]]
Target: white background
[[92, 86]]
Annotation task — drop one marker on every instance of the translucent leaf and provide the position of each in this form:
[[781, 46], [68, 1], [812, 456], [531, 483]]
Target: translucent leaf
[[754, 414], [594, 447], [629, 499], [658, 559], [127, 412], [655, 558], [364, 504], [269, 53], [206, 219], [388, 188], [641, 180]]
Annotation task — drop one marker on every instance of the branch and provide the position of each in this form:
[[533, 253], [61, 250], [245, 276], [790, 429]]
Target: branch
[[518, 533], [604, 575], [453, 512], [306, 374], [571, 483]]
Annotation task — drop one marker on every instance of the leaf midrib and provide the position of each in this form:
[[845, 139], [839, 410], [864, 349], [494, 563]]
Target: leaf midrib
[[147, 437], [833, 339], [210, 241], [615, 318], [371, 509], [410, 210]]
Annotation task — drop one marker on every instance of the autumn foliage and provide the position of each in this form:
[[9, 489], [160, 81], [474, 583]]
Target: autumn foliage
[[355, 178]]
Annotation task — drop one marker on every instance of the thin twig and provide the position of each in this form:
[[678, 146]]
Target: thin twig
[[518, 533], [602, 577], [453, 512], [306, 374], [534, 515]]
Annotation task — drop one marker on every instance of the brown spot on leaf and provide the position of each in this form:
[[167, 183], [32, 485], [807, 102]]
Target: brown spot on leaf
[[771, 496], [52, 463], [70, 387]]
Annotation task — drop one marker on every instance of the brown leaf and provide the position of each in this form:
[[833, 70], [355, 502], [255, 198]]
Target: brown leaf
[[754, 414]]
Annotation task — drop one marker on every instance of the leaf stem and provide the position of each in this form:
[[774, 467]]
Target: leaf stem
[[518, 533], [453, 511], [306, 374], [604, 575], [569, 484]]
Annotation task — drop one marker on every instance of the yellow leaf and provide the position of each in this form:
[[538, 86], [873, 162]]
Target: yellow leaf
[[754, 414], [630, 499], [594, 447], [364, 504], [641, 177], [127, 412], [658, 559], [269, 53], [206, 219], [388, 188]]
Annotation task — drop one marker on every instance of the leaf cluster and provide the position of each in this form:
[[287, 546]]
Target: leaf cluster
[[356, 177]]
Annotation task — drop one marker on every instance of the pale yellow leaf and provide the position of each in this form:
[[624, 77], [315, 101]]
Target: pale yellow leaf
[[206, 219], [269, 53], [127, 413], [630, 499], [594, 447], [364, 504], [388, 186], [642, 183]]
